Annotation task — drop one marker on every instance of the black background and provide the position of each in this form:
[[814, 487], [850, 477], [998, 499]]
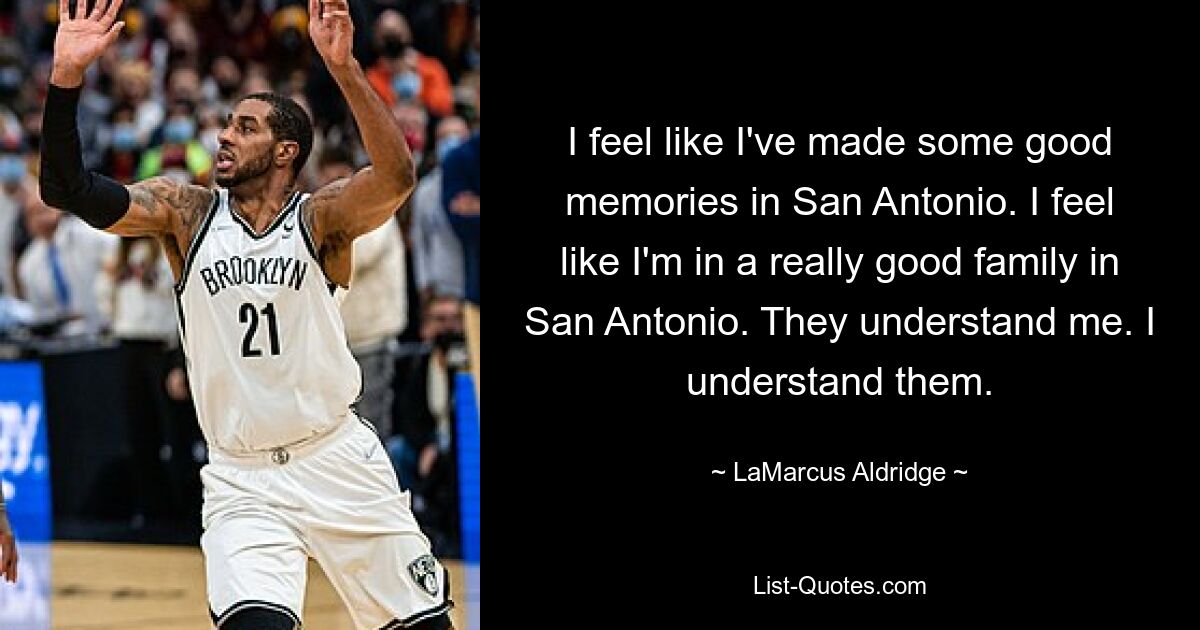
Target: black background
[[601, 506]]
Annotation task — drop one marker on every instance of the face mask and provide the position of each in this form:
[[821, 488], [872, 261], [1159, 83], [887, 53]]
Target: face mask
[[124, 137], [393, 47], [227, 88], [406, 85], [12, 169], [291, 41], [179, 130], [415, 142], [446, 145], [210, 139], [10, 79], [447, 339]]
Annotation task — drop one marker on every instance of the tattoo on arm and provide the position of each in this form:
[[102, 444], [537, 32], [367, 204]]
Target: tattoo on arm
[[332, 239], [328, 242], [163, 194], [334, 244], [317, 214]]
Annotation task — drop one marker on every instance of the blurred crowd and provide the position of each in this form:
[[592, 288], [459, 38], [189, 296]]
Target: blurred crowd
[[154, 105]]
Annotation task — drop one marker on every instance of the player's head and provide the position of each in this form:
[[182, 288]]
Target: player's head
[[266, 132]]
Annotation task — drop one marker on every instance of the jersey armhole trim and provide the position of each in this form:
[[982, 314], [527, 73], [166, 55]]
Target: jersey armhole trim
[[309, 242], [197, 238]]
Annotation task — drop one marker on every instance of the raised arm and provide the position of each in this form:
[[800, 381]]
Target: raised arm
[[348, 208], [155, 207]]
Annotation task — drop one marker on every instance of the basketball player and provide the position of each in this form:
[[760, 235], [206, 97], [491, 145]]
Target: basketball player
[[260, 267]]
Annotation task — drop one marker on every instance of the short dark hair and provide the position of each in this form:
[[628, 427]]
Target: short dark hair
[[288, 121]]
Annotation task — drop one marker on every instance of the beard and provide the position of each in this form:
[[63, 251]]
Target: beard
[[246, 172]]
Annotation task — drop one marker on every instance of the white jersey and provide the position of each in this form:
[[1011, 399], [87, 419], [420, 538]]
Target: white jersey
[[267, 355]]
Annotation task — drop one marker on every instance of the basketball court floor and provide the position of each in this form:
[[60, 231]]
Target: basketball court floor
[[90, 586]]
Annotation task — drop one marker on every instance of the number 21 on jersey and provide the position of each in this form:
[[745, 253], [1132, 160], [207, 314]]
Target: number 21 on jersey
[[249, 315]]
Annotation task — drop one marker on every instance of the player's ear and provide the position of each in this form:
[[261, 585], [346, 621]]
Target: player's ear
[[285, 152]]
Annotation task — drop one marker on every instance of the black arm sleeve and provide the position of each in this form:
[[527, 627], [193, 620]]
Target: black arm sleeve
[[65, 184]]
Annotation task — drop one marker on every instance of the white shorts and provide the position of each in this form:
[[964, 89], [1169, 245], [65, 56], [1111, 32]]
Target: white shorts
[[334, 499]]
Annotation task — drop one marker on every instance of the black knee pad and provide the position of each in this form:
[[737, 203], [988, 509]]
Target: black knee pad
[[253, 616]]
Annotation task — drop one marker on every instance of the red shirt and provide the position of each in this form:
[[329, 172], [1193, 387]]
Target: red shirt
[[436, 92]]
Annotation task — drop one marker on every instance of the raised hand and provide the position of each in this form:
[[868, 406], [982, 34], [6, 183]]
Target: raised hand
[[82, 38], [331, 31]]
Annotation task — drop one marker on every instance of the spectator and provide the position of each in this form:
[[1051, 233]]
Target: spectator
[[58, 270], [256, 81], [15, 93], [189, 450], [223, 82], [437, 254], [374, 311], [183, 84], [12, 72], [473, 51], [180, 155], [134, 88], [123, 154], [8, 10], [183, 42], [403, 74], [289, 42], [413, 121], [96, 105], [459, 40], [423, 434], [136, 40], [211, 122], [136, 294], [13, 172], [238, 28], [460, 195], [31, 126]]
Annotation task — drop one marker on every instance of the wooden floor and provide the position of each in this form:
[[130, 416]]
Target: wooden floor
[[101, 586]]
